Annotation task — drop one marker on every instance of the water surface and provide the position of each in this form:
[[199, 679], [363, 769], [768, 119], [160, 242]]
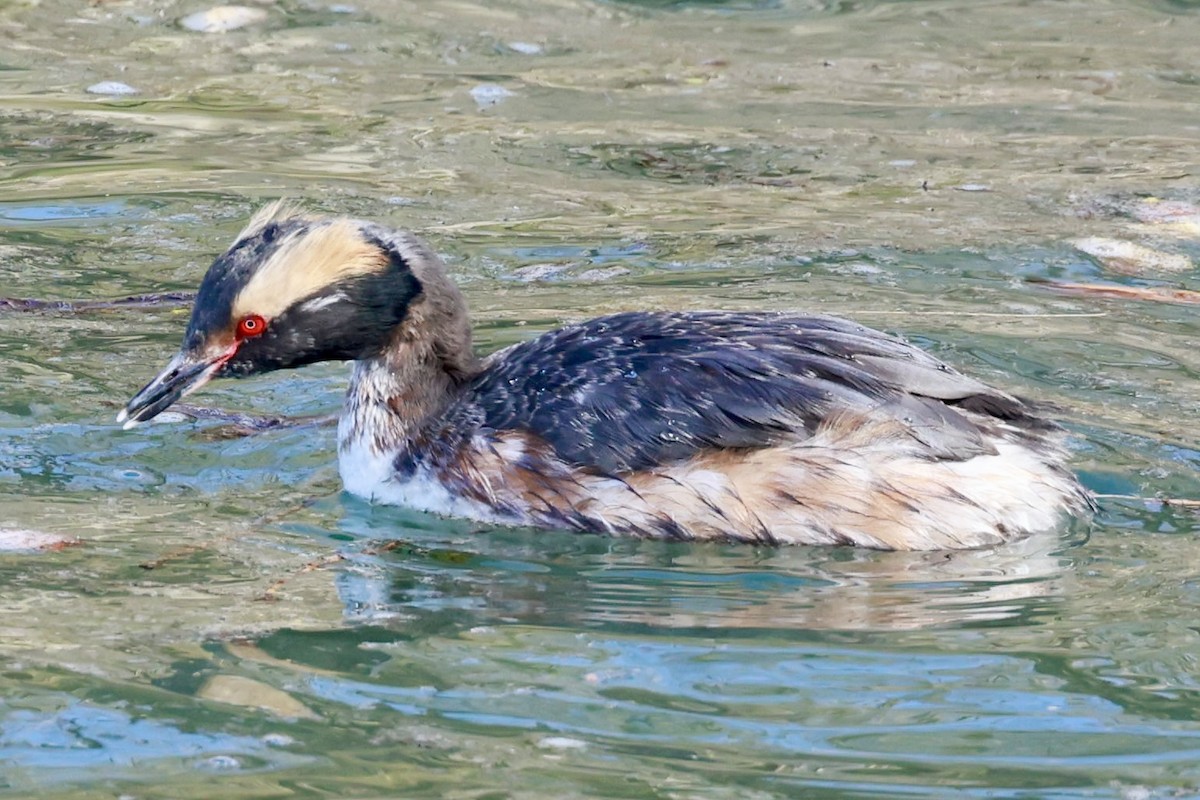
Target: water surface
[[231, 625]]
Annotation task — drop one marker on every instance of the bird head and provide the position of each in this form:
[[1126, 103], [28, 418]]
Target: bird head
[[295, 289]]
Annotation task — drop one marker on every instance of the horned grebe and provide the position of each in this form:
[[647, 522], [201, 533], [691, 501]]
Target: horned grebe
[[767, 428]]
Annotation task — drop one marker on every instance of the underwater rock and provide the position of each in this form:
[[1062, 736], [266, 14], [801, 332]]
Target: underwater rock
[[238, 691]]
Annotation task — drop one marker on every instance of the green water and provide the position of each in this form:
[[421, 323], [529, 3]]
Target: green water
[[231, 626]]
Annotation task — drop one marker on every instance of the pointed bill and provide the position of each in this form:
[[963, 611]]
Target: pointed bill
[[185, 373]]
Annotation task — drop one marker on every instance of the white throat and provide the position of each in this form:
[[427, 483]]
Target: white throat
[[370, 434], [374, 430]]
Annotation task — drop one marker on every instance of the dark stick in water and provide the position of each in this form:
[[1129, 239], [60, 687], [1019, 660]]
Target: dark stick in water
[[252, 423], [163, 300]]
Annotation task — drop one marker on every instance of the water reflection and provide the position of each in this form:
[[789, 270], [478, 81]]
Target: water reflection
[[14, 213], [72, 740], [564, 580]]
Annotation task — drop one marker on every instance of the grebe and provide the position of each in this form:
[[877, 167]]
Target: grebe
[[767, 428]]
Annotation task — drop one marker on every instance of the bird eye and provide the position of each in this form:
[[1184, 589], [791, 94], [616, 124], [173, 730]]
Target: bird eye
[[250, 326]]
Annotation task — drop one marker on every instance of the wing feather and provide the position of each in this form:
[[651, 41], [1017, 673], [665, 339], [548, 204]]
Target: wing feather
[[639, 390]]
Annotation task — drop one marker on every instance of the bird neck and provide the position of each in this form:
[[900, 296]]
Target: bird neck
[[390, 400], [396, 394], [427, 360]]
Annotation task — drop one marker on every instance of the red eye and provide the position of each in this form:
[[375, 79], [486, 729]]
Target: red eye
[[250, 326]]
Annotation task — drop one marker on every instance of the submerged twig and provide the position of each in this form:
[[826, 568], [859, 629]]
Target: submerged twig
[[160, 300], [270, 594], [1000, 314], [1181, 502], [184, 551], [173, 555], [280, 513], [249, 424], [1156, 294]]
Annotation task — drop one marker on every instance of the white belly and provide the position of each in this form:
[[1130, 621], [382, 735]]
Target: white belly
[[372, 476]]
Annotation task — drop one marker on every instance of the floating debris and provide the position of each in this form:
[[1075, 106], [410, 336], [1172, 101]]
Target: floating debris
[[31, 541], [278, 740], [112, 89], [220, 763], [1129, 258], [525, 48], [561, 743], [171, 417], [487, 95], [222, 19]]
